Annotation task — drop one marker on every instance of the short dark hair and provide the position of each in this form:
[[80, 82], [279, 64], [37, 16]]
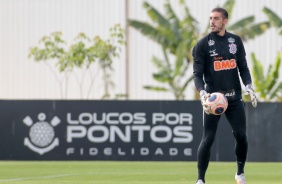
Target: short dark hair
[[222, 11]]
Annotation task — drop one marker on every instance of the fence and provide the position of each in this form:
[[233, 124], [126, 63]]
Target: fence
[[127, 130]]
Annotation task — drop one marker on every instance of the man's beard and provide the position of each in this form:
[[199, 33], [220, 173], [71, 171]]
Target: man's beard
[[217, 30]]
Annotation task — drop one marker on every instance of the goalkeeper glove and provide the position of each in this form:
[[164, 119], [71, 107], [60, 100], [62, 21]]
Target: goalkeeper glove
[[250, 91], [204, 95]]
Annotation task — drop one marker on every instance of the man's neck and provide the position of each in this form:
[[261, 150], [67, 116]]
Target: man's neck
[[221, 33]]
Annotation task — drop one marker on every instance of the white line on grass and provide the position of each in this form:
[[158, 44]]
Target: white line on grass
[[42, 177], [88, 173]]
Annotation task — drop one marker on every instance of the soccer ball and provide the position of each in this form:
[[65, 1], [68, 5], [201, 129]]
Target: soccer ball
[[217, 103]]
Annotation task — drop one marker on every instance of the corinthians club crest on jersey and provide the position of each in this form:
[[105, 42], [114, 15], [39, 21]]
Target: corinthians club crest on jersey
[[232, 46]]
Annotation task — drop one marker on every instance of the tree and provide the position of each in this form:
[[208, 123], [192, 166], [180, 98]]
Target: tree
[[274, 19], [178, 36], [81, 55], [266, 84]]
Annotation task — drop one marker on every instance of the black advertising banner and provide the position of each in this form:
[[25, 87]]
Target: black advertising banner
[[265, 132], [100, 130], [128, 130]]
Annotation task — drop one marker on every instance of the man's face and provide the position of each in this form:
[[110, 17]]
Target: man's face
[[217, 22]]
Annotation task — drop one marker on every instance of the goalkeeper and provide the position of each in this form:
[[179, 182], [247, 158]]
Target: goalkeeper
[[219, 58]]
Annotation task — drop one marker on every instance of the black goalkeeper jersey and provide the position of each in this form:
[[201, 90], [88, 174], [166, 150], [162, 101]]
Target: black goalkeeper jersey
[[218, 61]]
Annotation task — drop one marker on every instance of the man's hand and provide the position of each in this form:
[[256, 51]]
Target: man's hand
[[204, 95], [250, 91]]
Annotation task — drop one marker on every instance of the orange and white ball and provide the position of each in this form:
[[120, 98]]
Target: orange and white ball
[[217, 103]]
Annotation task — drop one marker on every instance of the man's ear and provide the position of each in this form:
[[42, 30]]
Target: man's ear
[[225, 21]]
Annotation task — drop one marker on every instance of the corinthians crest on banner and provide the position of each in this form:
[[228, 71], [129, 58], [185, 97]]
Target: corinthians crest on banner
[[41, 135]]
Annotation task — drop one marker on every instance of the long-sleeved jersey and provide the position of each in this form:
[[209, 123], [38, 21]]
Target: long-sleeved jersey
[[218, 60]]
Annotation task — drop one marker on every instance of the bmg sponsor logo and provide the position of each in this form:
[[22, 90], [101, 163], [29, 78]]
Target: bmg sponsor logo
[[41, 134]]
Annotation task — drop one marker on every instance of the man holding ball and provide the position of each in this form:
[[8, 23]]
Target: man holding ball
[[219, 58]]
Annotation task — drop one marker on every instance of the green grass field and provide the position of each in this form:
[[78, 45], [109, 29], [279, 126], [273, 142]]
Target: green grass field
[[108, 172]]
